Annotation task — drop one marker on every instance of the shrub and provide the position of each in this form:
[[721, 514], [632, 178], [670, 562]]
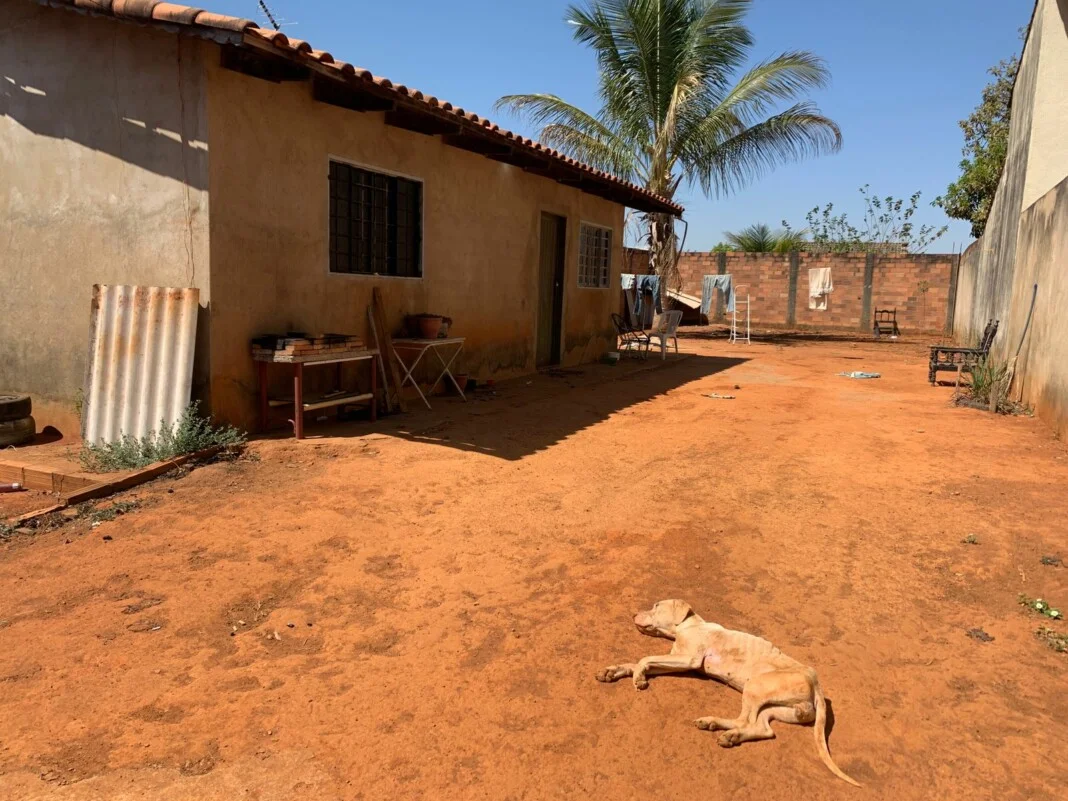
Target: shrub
[[191, 434]]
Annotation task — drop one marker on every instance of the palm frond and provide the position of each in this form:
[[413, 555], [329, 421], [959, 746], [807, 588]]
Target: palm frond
[[761, 238], [575, 132], [792, 135], [773, 81], [672, 109]]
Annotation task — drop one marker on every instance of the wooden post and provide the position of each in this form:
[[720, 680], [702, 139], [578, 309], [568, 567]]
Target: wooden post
[[261, 368], [388, 406], [386, 342], [374, 388], [298, 400]]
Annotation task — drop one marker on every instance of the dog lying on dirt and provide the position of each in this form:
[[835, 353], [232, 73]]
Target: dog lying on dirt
[[773, 686]]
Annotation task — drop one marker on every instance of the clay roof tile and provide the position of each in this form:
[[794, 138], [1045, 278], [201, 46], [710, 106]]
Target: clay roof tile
[[171, 12], [175, 14]]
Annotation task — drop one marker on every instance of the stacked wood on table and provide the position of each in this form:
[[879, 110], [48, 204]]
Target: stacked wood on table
[[294, 348]]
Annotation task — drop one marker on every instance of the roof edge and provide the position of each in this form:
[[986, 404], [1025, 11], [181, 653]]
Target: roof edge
[[420, 112]]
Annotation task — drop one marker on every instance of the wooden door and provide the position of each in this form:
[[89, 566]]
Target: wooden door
[[551, 289]]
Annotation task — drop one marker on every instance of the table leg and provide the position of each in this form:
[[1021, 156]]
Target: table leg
[[448, 372], [261, 368], [374, 388], [408, 373], [298, 400]]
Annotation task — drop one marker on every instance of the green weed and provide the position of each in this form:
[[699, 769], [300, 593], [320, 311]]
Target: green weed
[[192, 433], [1042, 607], [116, 509]]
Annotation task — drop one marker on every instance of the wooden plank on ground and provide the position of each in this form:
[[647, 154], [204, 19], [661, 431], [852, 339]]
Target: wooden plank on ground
[[24, 518], [105, 488], [388, 353], [41, 480]]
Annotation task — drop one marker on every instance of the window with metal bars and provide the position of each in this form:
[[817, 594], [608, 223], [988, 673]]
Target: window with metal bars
[[595, 255], [376, 223]]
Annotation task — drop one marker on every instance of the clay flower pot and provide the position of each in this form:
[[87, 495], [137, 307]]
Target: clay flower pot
[[429, 325]]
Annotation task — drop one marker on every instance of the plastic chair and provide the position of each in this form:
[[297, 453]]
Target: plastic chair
[[666, 328]]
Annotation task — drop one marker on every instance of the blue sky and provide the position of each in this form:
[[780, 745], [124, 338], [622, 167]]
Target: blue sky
[[903, 74]]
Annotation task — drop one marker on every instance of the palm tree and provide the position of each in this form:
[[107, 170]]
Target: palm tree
[[760, 238], [671, 109]]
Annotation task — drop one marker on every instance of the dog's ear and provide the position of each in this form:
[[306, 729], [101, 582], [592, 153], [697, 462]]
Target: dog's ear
[[680, 611]]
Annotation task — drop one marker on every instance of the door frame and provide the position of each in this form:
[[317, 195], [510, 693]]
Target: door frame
[[556, 347]]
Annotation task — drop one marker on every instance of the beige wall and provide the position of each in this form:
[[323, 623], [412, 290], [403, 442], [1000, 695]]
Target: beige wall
[[103, 179], [271, 146], [1047, 162], [1042, 259], [1026, 239]]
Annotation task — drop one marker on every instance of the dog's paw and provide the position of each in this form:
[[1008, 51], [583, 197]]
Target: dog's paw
[[608, 675], [729, 739], [641, 683]]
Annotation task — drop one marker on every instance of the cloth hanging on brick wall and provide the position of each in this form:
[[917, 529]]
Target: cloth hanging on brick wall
[[709, 284], [820, 286], [643, 286]]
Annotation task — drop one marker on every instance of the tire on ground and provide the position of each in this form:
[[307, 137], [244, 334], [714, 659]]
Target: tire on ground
[[16, 432], [14, 407]]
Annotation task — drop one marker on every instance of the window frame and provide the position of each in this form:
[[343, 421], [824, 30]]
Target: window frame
[[422, 219], [578, 259]]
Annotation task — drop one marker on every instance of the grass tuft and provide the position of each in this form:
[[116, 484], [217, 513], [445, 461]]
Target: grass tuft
[[192, 433], [990, 379], [1055, 640]]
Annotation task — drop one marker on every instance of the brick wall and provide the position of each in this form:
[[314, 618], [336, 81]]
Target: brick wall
[[895, 283]]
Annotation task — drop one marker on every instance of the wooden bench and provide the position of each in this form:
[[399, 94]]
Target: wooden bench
[[961, 360]]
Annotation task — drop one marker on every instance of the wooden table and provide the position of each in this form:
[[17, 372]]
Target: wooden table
[[327, 401], [422, 346]]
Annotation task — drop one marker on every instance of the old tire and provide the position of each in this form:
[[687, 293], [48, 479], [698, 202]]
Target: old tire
[[16, 432], [15, 407]]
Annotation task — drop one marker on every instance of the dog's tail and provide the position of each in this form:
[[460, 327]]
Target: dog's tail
[[820, 730]]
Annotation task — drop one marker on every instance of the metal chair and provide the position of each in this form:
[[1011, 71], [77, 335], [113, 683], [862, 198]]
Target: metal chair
[[630, 338]]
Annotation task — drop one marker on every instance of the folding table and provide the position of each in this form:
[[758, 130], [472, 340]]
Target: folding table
[[419, 348]]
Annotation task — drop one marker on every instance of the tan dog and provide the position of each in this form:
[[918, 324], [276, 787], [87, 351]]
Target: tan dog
[[773, 686]]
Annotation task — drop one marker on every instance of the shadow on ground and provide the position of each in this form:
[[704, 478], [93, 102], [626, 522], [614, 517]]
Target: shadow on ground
[[525, 415], [794, 338]]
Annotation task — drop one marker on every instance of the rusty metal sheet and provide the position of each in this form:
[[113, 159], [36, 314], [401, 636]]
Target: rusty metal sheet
[[140, 369]]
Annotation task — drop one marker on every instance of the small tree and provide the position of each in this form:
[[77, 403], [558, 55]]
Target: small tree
[[888, 227], [986, 144]]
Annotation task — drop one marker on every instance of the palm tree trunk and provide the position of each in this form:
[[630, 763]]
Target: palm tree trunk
[[663, 253]]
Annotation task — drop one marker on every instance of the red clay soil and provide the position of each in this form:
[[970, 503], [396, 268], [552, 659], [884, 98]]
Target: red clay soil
[[417, 609]]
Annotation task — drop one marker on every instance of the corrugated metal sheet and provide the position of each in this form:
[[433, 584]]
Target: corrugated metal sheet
[[140, 371]]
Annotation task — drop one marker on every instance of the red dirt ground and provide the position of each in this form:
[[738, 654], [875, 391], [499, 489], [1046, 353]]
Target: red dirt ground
[[444, 586]]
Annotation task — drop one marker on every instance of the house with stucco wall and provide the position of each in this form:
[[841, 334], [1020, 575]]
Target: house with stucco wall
[[152, 144]]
